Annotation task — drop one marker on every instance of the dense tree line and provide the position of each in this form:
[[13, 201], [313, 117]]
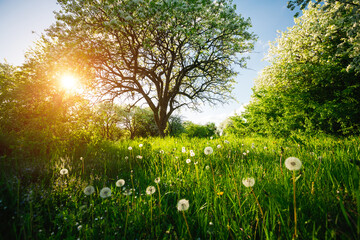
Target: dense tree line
[[312, 84]]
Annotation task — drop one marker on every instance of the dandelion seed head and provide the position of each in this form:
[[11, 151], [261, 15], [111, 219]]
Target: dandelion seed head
[[293, 163], [183, 205], [105, 192], [218, 146], [183, 149], [248, 182], [130, 148], [157, 180], [89, 190], [140, 145], [162, 151], [188, 161], [208, 150], [64, 171], [207, 167], [120, 182], [150, 190]]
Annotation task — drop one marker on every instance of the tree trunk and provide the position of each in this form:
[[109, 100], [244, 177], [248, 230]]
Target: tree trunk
[[161, 128]]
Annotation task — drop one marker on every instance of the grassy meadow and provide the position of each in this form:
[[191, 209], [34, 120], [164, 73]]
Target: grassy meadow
[[41, 200]]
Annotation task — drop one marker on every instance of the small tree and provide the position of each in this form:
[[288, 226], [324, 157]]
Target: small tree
[[137, 121], [170, 54]]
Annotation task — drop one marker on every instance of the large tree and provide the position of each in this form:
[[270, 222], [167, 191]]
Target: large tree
[[167, 53]]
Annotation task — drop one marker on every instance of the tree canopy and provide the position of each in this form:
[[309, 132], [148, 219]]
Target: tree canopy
[[169, 54], [312, 83]]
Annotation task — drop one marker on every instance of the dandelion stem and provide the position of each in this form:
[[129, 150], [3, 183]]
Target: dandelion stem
[[187, 225], [127, 215], [281, 154], [151, 216], [213, 175], [158, 187], [257, 202], [295, 216], [83, 167]]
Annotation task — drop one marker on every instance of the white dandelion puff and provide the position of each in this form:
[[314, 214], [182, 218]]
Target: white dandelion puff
[[140, 145], [120, 182], [183, 150], [130, 148], [192, 154], [150, 190], [293, 163], [248, 182], [64, 171], [218, 146], [188, 161], [105, 192], [89, 190], [157, 180], [183, 205], [208, 150]]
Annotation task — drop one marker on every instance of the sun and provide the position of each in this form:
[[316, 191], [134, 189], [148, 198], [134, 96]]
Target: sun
[[68, 82]]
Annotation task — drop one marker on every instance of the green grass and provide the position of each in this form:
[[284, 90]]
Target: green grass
[[37, 202]]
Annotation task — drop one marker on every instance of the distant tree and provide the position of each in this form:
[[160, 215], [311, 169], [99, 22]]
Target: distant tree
[[169, 54], [201, 131], [175, 126], [312, 83], [139, 122], [107, 120]]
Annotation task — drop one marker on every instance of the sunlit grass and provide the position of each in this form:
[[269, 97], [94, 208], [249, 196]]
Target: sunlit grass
[[112, 193]]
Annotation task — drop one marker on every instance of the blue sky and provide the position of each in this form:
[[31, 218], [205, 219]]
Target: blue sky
[[19, 18]]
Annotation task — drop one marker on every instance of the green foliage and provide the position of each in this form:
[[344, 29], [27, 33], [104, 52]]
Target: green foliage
[[236, 125], [37, 115], [175, 126], [312, 83], [200, 131]]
